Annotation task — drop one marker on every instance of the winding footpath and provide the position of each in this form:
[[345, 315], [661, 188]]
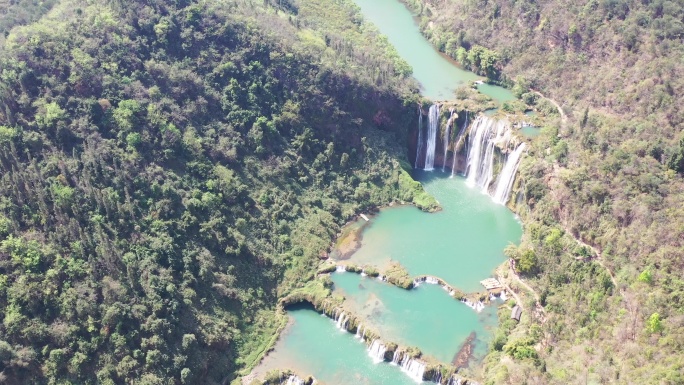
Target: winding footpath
[[564, 118], [539, 311]]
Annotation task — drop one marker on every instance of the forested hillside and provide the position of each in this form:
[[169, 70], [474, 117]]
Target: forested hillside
[[602, 195], [169, 169], [21, 12]]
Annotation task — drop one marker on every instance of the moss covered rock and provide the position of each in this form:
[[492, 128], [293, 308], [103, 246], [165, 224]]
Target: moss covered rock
[[398, 276]]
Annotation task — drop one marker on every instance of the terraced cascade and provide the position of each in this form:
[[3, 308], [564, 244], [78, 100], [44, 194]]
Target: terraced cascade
[[426, 316], [314, 345], [461, 244]]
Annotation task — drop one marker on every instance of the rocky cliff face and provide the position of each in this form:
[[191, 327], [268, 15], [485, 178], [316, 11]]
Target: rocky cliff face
[[456, 147]]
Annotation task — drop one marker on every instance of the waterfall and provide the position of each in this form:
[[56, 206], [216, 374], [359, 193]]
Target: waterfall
[[342, 321], [478, 164], [419, 145], [340, 269], [484, 136], [359, 331], [377, 351], [507, 175], [414, 368], [478, 306], [503, 296], [437, 377], [447, 132], [433, 125], [294, 380], [395, 358], [458, 141], [431, 280]]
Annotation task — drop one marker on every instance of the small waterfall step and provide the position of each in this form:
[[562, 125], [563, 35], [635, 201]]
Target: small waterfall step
[[342, 321], [294, 380], [414, 368], [377, 351]]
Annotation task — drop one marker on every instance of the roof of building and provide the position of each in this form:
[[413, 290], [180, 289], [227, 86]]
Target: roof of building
[[516, 313]]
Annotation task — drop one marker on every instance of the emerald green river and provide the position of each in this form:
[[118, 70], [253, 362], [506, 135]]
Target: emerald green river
[[462, 244], [438, 75]]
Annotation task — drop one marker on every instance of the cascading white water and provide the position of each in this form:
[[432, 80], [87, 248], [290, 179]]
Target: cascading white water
[[377, 351], [419, 145], [484, 136], [479, 163], [458, 141], [359, 331], [396, 357], [447, 132], [431, 280], [340, 269], [433, 126], [342, 321], [294, 380], [507, 175], [414, 368], [477, 306]]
